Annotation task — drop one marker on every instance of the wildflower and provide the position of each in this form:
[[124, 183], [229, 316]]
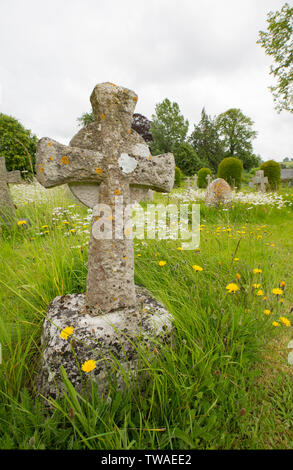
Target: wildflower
[[232, 288], [179, 248], [66, 332], [256, 286], [89, 365], [285, 321], [260, 293], [282, 284], [138, 254], [238, 276], [277, 291], [275, 323], [257, 271], [197, 268], [267, 312], [162, 263], [44, 226], [22, 222], [236, 259]]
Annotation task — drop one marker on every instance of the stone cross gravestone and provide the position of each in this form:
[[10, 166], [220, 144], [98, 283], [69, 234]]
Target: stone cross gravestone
[[209, 179], [7, 209], [101, 164], [260, 180]]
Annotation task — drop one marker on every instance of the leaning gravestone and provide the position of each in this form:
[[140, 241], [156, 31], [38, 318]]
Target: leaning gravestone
[[260, 181], [102, 162], [218, 192], [7, 209]]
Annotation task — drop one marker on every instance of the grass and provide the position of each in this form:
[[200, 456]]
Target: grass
[[223, 383]]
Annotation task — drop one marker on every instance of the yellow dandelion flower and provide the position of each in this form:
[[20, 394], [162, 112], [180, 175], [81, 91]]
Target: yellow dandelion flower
[[285, 321], [275, 323], [238, 276], [197, 268], [257, 271], [162, 263], [89, 365], [179, 248], [277, 292], [267, 312], [256, 286], [66, 332], [260, 293], [232, 288], [282, 284], [22, 222]]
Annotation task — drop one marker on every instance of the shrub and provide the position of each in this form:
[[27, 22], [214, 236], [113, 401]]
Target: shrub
[[178, 176], [272, 170], [230, 169], [202, 177], [186, 159]]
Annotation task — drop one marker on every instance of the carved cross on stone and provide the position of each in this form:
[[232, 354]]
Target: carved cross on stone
[[7, 210], [260, 180], [103, 160]]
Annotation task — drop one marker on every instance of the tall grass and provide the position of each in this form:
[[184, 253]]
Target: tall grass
[[200, 391]]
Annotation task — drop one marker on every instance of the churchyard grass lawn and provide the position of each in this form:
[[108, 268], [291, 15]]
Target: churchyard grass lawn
[[223, 383]]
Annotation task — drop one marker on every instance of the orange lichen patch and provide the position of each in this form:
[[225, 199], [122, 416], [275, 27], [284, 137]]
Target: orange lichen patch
[[117, 192], [129, 132], [41, 168], [150, 157], [50, 144], [51, 159], [64, 160], [113, 84], [135, 99], [110, 217], [97, 217], [127, 232], [99, 171], [103, 116]]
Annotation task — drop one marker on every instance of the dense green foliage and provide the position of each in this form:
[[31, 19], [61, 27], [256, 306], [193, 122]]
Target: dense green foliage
[[186, 159], [230, 169], [206, 141], [272, 170], [202, 177], [168, 127], [235, 130], [278, 43], [17, 144], [178, 176]]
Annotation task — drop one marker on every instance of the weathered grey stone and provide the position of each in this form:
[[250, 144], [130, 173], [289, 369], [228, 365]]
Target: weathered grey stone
[[209, 179], [260, 180], [286, 174], [7, 210], [107, 155], [103, 162], [106, 339], [218, 192]]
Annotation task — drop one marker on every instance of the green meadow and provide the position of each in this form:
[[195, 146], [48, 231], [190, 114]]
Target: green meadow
[[223, 382]]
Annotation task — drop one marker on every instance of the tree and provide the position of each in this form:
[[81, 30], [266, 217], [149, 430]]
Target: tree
[[168, 127], [236, 133], [17, 144], [206, 141], [278, 43], [186, 159]]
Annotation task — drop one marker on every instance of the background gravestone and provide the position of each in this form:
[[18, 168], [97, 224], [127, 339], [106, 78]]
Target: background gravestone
[[104, 160], [218, 192], [7, 209]]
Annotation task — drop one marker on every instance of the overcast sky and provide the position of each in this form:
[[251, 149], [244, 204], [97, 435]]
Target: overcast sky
[[199, 53]]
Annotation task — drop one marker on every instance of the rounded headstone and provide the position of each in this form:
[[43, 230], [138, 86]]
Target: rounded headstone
[[218, 192]]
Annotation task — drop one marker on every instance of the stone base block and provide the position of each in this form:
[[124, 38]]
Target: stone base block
[[111, 340]]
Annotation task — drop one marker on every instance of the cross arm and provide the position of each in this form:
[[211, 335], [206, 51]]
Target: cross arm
[[152, 172], [58, 164]]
